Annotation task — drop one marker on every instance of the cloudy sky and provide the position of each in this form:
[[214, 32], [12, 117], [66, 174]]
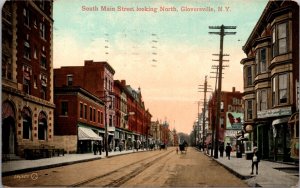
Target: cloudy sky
[[165, 53]]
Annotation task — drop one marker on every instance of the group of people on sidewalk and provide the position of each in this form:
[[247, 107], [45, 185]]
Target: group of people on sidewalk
[[255, 158], [97, 147]]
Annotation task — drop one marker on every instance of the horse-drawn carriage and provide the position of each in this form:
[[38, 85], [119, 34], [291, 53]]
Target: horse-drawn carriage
[[183, 147]]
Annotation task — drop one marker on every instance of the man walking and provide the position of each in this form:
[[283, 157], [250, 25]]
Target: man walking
[[228, 150]]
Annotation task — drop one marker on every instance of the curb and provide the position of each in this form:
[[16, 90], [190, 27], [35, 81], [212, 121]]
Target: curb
[[31, 169]]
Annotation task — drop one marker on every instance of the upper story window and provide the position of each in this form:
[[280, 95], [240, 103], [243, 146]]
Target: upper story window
[[280, 39], [64, 108], [262, 100], [249, 76], [6, 67], [26, 16], [43, 61], [91, 114], [280, 88], [81, 110], [69, 80], [85, 111], [27, 51], [43, 30], [249, 111], [283, 88], [261, 65]]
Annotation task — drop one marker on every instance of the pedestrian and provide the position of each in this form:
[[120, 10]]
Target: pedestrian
[[255, 160], [228, 150], [100, 147], [221, 148], [95, 147]]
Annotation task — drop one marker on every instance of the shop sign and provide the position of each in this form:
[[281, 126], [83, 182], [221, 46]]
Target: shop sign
[[230, 133], [274, 112], [234, 121]]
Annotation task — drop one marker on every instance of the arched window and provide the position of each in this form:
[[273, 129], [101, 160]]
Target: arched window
[[27, 124], [42, 126]]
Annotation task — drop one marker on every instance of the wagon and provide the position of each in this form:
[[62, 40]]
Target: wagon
[[182, 148]]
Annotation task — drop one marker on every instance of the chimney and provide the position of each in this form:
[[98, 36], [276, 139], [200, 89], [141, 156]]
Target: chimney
[[233, 89], [123, 82]]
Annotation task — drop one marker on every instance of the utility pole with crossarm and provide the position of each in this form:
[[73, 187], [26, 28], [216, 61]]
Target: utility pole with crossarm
[[222, 33]]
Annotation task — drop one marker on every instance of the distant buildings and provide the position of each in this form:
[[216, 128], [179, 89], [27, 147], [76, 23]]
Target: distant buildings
[[271, 82], [87, 97], [27, 76]]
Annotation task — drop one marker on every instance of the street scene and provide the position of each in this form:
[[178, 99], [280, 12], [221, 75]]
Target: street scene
[[100, 93]]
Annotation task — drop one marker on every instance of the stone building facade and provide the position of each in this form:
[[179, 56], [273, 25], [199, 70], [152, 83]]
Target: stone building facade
[[27, 76]]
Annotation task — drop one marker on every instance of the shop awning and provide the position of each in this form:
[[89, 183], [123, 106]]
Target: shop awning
[[87, 134], [280, 121]]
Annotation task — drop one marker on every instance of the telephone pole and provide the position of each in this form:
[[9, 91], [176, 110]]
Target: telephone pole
[[216, 67], [222, 33], [205, 88]]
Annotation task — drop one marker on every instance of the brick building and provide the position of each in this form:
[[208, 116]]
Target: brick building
[[97, 79], [27, 76], [271, 81], [231, 116]]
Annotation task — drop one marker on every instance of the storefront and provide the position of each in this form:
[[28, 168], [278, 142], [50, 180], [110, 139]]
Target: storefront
[[86, 137]]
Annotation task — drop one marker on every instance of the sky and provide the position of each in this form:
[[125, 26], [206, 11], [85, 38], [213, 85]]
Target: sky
[[165, 53]]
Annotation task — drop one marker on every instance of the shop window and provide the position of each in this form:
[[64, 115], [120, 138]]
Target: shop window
[[42, 127]]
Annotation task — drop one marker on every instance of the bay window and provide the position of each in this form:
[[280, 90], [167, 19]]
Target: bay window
[[280, 39]]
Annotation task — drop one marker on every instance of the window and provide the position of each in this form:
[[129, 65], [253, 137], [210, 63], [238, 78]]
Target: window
[[279, 39], [43, 61], [280, 89], [35, 52], [249, 109], [43, 30], [262, 100], [64, 108], [274, 91], [85, 111], [260, 59], [91, 114], [110, 120], [69, 80], [27, 50], [283, 81], [26, 16], [101, 118], [249, 76], [81, 110], [222, 106], [26, 86], [6, 67], [42, 4], [94, 115], [43, 92], [27, 124], [98, 116]]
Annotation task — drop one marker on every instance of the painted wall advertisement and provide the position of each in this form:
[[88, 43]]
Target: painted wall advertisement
[[234, 121]]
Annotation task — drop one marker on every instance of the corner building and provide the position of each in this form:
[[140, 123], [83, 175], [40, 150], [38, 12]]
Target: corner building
[[271, 82], [27, 76]]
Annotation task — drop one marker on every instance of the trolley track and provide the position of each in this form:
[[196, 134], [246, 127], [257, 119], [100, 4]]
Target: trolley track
[[119, 176]]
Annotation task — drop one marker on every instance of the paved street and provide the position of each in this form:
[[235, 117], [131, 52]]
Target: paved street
[[168, 169], [148, 168]]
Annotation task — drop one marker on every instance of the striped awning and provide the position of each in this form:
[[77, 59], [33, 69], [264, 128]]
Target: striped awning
[[87, 134]]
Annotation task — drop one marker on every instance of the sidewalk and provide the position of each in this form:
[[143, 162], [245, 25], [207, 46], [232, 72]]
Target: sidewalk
[[270, 174], [22, 166]]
